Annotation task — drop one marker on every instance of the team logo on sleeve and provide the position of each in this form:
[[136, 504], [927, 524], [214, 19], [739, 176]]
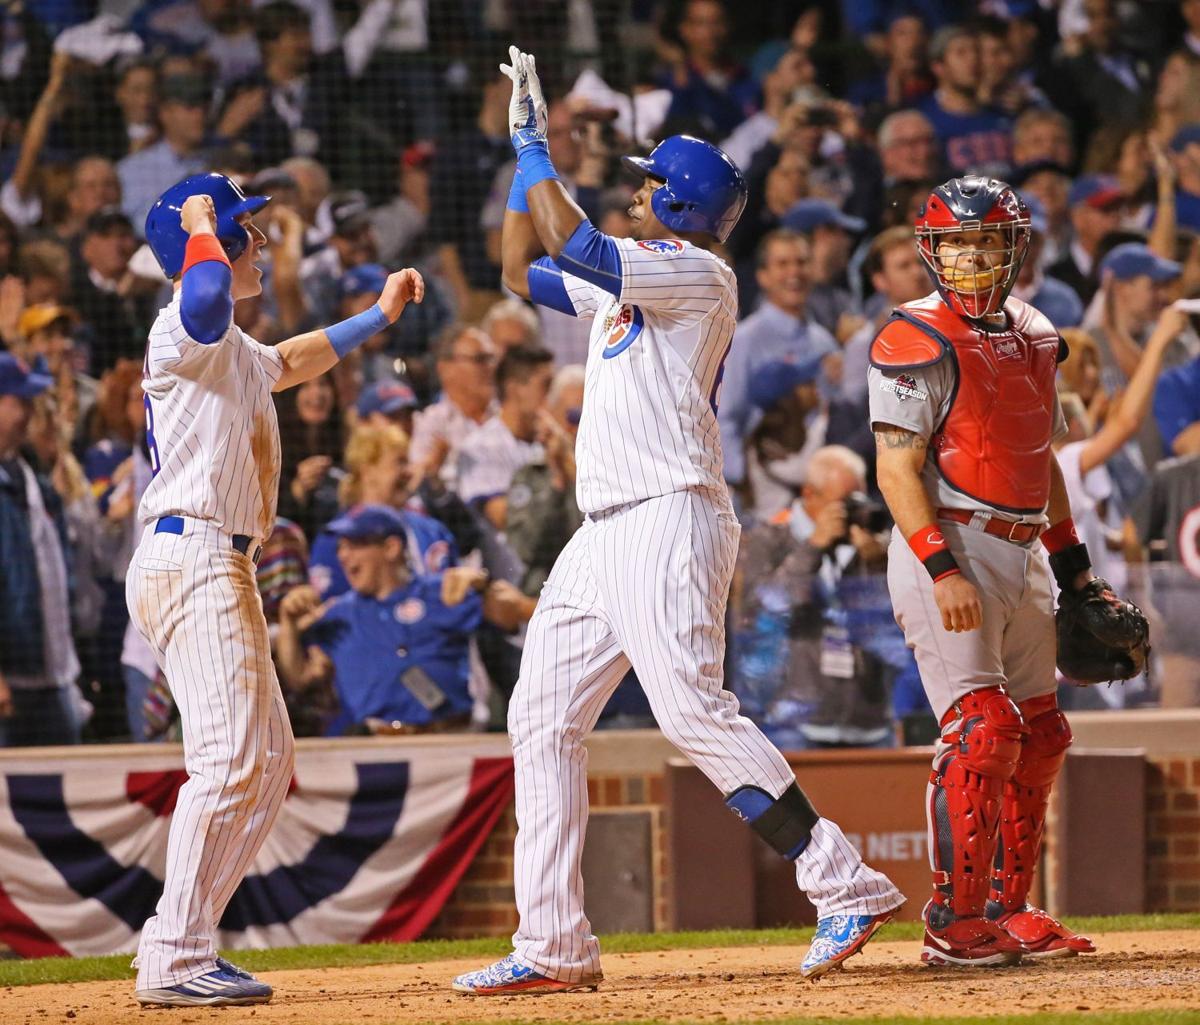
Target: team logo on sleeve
[[661, 245], [437, 556], [904, 386], [409, 611], [623, 327]]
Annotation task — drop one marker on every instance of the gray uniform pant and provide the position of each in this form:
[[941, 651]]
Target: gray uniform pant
[[1015, 648]]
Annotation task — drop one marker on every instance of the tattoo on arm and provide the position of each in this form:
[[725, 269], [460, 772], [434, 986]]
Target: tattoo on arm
[[895, 437]]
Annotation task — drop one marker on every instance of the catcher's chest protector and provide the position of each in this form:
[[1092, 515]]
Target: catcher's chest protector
[[994, 444]]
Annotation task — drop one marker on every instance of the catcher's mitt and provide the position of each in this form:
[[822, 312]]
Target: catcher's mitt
[[1101, 637]]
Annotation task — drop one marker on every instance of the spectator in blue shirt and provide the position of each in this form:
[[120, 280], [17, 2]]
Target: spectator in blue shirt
[[377, 473], [1185, 155], [778, 331], [395, 646], [706, 87], [1177, 409], [1056, 299], [146, 174], [976, 139]]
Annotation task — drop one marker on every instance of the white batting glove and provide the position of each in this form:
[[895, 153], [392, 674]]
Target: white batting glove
[[527, 108]]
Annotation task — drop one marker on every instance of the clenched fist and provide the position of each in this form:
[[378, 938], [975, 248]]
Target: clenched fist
[[198, 215], [403, 287]]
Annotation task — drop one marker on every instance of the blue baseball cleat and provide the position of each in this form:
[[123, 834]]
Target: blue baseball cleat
[[839, 937], [510, 976], [222, 987]]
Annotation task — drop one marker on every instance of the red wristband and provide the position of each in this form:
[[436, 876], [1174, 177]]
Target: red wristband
[[1061, 535], [202, 248], [929, 545]]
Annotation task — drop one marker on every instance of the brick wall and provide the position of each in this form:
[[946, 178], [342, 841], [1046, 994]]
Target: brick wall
[[482, 904], [1173, 834]]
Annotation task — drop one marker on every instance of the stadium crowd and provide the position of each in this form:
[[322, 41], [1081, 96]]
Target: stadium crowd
[[427, 483]]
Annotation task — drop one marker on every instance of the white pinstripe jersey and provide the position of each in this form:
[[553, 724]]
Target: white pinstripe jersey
[[655, 360], [212, 429]]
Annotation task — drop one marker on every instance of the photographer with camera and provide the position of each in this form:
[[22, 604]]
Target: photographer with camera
[[815, 647]]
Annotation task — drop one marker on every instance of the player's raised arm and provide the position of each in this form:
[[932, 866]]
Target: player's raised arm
[[309, 355]]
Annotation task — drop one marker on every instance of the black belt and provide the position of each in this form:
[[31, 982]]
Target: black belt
[[243, 543]]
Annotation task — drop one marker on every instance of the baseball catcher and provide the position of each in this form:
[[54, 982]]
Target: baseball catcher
[[965, 413]]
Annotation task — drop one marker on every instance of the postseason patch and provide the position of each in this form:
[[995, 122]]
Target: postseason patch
[[904, 386], [661, 245]]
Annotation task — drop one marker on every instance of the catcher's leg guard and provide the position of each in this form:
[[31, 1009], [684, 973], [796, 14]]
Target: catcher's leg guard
[[978, 753], [1026, 798], [1022, 821]]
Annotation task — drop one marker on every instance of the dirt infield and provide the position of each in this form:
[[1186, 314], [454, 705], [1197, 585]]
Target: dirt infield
[[1134, 970]]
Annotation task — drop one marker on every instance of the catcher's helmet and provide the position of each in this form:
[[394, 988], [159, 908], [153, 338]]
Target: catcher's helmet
[[974, 282], [704, 189], [165, 233]]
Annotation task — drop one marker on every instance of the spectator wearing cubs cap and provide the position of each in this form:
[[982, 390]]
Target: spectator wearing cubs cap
[[832, 235], [1135, 288], [38, 664], [387, 402], [395, 646], [1095, 202], [786, 425]]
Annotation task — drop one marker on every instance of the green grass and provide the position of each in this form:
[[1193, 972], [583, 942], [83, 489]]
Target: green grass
[[94, 969], [1157, 1017]]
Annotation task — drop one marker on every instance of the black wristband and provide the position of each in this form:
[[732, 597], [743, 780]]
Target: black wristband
[[940, 564], [1067, 564]]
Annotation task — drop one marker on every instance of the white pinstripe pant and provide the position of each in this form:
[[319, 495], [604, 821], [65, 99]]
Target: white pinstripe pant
[[645, 584], [196, 602]]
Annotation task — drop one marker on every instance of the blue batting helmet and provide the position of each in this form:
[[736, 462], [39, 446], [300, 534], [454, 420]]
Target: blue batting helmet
[[164, 230], [704, 189]]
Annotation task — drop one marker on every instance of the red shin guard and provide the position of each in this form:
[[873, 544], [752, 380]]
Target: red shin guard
[[983, 732], [1026, 799]]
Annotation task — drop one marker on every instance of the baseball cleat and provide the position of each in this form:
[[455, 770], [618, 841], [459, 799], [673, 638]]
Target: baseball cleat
[[233, 969], [837, 938], [1043, 936], [969, 942], [218, 988], [510, 976]]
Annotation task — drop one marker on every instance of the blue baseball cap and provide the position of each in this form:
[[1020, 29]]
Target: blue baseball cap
[[16, 378], [387, 397], [808, 214], [1186, 135], [777, 379], [1133, 259], [1099, 191], [363, 279], [363, 522]]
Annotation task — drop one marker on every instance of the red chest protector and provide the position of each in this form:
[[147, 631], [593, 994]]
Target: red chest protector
[[994, 443]]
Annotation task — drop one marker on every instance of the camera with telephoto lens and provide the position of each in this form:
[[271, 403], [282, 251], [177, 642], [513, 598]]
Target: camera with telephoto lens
[[861, 511]]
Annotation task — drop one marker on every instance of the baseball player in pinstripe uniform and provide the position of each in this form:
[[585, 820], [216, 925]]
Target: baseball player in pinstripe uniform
[[214, 445], [644, 581]]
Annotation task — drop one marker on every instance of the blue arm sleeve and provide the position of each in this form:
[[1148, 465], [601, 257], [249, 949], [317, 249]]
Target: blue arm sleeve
[[206, 302], [546, 286], [593, 256]]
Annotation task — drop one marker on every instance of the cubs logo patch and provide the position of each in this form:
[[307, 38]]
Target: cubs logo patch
[[409, 611], [623, 327], [320, 578], [661, 245], [904, 386], [437, 556]]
